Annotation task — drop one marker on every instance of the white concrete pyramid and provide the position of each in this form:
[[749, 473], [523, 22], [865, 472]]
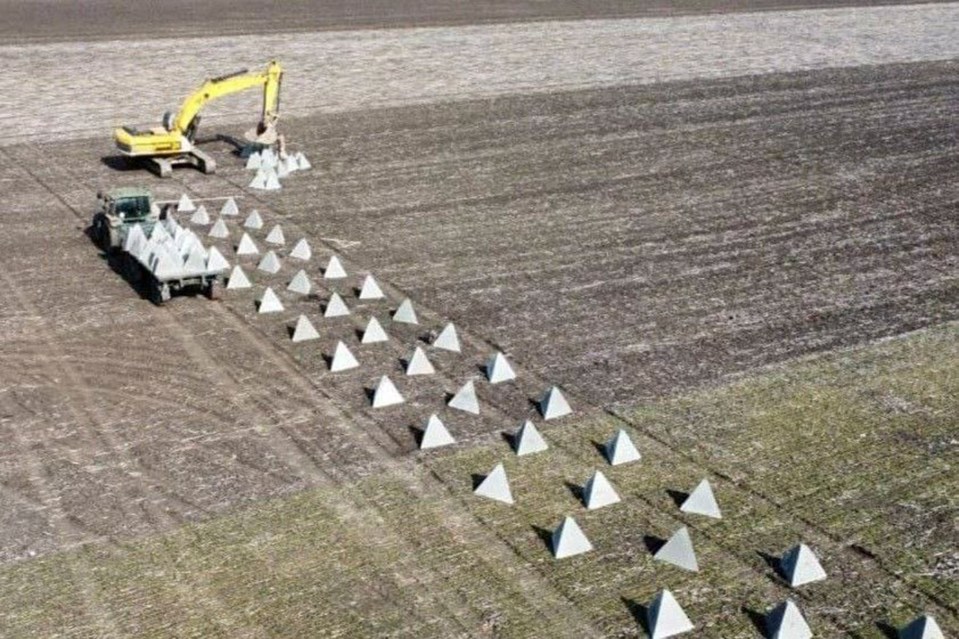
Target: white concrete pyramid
[[275, 236], [300, 283], [270, 263], [238, 279], [435, 434], [786, 622], [465, 399], [336, 307], [666, 617], [553, 404], [448, 340], [200, 216], [678, 551], [259, 180], [134, 240], [528, 440], [272, 181], [374, 332], [301, 250], [598, 492], [253, 221], [419, 364], [195, 261], [302, 163], [290, 163], [569, 539], [269, 302], [498, 369], [164, 266], [185, 204], [385, 393], [702, 501], [215, 260], [229, 208], [268, 158], [799, 565], [282, 169], [304, 330], [334, 269], [220, 230], [247, 246], [254, 161], [495, 486], [159, 234], [370, 289], [343, 360], [922, 627], [405, 313], [620, 449]]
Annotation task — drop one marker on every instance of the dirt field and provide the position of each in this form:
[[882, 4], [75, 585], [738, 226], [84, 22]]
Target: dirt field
[[665, 251], [50, 20]]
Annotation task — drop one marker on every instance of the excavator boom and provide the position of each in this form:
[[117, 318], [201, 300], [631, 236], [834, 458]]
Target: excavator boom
[[173, 142]]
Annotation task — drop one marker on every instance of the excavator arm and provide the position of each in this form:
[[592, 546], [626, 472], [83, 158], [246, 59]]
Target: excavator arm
[[177, 134]]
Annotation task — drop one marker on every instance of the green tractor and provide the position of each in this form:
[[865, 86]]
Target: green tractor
[[119, 210]]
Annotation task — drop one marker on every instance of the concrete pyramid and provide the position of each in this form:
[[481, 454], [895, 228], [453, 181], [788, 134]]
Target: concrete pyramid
[[702, 502], [253, 221], [922, 627], [219, 230], [267, 158], [405, 313], [302, 162], [435, 434], [334, 270], [301, 250], [304, 330], [282, 169], [343, 360], [666, 617], [200, 216], [620, 449], [678, 551], [185, 204], [215, 260], [164, 266], [465, 399], [569, 539], [272, 181], [195, 261], [553, 404], [799, 565], [300, 283], [598, 492], [247, 246], [269, 302], [336, 307], [495, 486], [290, 163], [418, 364], [254, 161], [370, 289], [134, 240], [159, 234], [786, 622], [448, 340], [270, 263], [374, 332], [527, 440], [238, 279], [229, 208], [276, 237], [385, 393], [498, 369], [259, 180]]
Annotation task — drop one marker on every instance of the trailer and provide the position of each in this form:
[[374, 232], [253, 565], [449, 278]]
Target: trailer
[[153, 251]]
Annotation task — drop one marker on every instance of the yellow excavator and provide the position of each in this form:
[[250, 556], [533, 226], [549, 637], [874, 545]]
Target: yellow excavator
[[171, 145]]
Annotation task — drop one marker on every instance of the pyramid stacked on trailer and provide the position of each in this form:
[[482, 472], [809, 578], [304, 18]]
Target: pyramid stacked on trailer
[[152, 249]]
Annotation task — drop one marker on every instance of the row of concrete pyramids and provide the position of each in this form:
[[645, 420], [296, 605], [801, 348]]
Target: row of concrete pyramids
[[271, 168]]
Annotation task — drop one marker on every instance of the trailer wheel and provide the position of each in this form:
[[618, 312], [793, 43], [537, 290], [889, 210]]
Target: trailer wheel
[[160, 293], [213, 289]]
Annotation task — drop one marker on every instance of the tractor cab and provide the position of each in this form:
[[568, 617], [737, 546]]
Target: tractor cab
[[119, 209]]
